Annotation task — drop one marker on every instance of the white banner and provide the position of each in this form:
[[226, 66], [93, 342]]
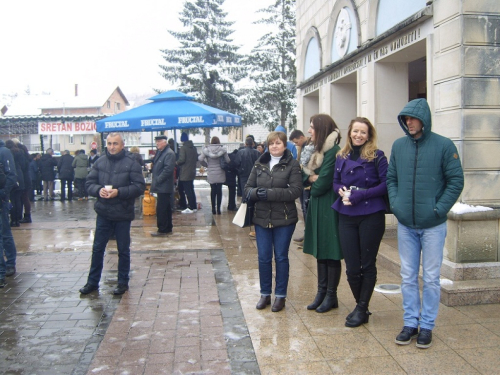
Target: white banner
[[68, 128]]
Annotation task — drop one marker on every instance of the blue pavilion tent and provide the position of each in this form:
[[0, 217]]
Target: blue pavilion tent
[[169, 110]]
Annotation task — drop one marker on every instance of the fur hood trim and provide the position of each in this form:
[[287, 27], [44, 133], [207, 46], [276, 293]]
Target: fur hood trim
[[317, 157]]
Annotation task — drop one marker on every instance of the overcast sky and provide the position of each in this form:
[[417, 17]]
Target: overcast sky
[[51, 45]]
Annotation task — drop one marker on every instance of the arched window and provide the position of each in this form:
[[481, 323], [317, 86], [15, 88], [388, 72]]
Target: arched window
[[313, 59], [392, 12]]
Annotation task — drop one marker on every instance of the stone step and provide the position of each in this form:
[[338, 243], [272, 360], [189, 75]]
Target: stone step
[[453, 293], [470, 292]]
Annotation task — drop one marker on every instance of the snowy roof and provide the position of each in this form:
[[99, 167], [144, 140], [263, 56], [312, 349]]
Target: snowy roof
[[26, 105], [88, 97]]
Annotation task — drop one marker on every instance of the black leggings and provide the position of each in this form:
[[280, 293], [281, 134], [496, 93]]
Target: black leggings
[[360, 238], [332, 263], [216, 196]]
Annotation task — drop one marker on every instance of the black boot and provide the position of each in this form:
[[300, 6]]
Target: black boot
[[331, 301], [322, 282], [361, 314], [355, 285], [219, 202], [27, 219]]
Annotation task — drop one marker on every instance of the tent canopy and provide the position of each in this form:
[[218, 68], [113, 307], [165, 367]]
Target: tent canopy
[[169, 110]]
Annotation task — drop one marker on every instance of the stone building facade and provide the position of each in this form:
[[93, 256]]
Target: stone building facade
[[370, 57]]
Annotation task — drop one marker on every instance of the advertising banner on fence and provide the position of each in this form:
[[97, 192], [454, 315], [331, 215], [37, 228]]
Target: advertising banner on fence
[[68, 128]]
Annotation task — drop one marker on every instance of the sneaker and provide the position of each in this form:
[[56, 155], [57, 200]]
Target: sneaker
[[406, 335], [188, 211], [2, 283], [252, 234], [298, 240], [424, 339]]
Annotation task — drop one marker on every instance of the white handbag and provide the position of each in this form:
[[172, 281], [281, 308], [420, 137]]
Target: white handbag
[[239, 218], [244, 215]]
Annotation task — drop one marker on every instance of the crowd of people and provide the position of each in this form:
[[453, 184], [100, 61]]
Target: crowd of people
[[343, 199], [342, 192]]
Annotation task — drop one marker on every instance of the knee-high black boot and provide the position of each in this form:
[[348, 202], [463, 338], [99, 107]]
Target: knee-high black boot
[[322, 283], [355, 285], [219, 199], [213, 197], [331, 301], [361, 314]]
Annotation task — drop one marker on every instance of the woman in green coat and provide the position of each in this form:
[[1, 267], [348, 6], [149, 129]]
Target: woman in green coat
[[321, 237]]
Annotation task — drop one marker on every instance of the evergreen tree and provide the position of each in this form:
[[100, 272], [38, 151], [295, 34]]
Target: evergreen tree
[[272, 100], [206, 64]]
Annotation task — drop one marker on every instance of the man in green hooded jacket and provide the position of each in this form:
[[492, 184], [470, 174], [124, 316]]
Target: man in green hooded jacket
[[424, 180]]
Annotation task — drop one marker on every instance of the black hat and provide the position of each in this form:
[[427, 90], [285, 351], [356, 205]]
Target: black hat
[[157, 138]]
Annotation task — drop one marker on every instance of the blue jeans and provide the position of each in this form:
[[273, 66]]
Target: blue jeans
[[9, 247], [103, 230], [429, 243], [278, 238]]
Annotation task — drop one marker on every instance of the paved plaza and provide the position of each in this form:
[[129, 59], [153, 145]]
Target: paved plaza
[[191, 308]]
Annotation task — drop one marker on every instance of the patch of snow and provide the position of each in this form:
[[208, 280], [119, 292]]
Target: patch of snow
[[462, 208]]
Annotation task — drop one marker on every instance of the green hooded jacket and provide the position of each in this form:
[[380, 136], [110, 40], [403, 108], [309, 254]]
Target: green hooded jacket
[[425, 177]]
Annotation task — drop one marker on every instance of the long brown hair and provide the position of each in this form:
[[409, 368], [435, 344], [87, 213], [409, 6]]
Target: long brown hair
[[369, 149], [323, 127]]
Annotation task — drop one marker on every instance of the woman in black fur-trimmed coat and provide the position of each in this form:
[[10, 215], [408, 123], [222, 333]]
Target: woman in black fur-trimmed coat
[[274, 184]]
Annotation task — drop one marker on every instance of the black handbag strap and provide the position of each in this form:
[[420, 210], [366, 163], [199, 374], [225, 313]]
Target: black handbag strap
[[249, 194]]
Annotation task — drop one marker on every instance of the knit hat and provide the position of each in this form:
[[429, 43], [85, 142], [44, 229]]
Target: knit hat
[[184, 137]]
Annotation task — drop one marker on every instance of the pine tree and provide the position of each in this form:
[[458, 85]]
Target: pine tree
[[206, 64], [272, 100]]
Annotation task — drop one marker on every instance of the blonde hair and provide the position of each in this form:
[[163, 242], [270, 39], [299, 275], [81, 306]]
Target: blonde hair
[[369, 149], [135, 150]]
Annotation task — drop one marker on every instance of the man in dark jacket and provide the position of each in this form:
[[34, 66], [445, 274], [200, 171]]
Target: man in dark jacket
[[163, 185], [245, 160], [93, 158], [66, 174], [47, 164], [116, 180], [7, 246], [188, 156], [424, 181]]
